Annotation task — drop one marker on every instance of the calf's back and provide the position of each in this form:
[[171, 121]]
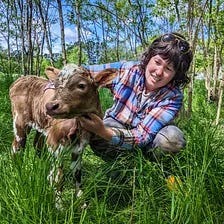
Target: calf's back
[[28, 97]]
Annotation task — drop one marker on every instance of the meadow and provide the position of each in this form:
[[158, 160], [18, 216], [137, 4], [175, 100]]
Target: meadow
[[130, 190]]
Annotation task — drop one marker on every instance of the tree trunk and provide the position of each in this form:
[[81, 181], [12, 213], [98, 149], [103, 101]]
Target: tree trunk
[[190, 19], [29, 36], [44, 19], [77, 11], [21, 16], [215, 74], [219, 102], [8, 38], [63, 50]]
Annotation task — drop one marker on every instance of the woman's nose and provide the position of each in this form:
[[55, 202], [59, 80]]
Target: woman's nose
[[159, 71]]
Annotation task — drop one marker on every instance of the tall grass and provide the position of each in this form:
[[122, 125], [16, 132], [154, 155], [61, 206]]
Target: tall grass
[[131, 189]]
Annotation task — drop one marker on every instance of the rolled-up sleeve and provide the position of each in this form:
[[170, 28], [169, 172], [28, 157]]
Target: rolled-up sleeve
[[145, 131]]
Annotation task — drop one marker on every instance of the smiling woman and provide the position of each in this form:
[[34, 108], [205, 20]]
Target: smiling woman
[[147, 97]]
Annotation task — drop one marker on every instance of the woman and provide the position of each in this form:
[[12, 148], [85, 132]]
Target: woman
[[147, 97]]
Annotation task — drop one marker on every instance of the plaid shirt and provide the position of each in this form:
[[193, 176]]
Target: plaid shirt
[[141, 121]]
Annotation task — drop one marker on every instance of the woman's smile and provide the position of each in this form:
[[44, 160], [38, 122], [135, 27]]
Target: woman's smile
[[159, 72]]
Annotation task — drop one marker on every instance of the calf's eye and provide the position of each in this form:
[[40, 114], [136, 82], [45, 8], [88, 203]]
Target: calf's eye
[[81, 86]]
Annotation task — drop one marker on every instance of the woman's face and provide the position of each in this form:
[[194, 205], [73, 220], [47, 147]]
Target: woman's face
[[158, 73]]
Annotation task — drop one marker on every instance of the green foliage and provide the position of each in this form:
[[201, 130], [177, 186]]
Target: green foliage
[[45, 63], [73, 55], [12, 66], [106, 98], [5, 115], [131, 189]]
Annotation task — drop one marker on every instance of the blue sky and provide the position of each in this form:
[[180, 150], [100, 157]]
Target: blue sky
[[70, 36], [70, 32]]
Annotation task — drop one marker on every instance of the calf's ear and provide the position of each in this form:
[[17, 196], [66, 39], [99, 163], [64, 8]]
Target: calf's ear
[[52, 73], [105, 77]]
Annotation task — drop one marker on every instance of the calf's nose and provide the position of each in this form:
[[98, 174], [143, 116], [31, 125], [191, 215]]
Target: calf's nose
[[51, 107]]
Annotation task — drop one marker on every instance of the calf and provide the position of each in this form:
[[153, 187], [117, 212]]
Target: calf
[[30, 94]]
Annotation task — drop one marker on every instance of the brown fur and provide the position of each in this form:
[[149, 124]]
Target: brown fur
[[28, 98], [75, 94]]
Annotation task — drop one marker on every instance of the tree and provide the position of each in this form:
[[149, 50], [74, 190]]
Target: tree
[[61, 19]]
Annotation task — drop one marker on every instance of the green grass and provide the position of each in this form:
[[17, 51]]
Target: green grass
[[139, 194]]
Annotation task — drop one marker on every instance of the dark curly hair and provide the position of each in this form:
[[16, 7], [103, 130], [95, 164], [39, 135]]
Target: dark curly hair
[[174, 48]]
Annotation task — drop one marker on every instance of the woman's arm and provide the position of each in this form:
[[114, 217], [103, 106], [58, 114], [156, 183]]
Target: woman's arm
[[143, 134]]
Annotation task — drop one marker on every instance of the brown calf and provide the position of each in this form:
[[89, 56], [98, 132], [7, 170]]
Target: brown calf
[[30, 94]]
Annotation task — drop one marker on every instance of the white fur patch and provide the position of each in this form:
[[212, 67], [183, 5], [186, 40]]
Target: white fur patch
[[68, 70], [79, 194], [36, 127], [14, 150], [14, 127]]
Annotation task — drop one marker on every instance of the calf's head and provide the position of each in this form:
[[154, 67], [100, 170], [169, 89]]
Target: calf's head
[[76, 91]]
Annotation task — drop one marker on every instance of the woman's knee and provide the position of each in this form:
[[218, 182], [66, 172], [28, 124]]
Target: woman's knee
[[169, 139]]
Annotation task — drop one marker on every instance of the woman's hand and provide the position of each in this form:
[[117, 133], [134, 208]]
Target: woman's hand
[[95, 125]]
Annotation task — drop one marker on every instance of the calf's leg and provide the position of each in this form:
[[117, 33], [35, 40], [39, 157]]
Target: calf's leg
[[38, 142], [56, 177], [20, 134], [76, 163]]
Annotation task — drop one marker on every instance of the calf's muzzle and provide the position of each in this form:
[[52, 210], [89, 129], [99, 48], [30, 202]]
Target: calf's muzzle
[[51, 108]]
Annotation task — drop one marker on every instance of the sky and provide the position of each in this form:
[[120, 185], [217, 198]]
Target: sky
[[70, 33], [70, 30], [70, 36]]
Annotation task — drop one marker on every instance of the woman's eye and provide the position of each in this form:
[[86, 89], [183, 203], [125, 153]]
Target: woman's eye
[[170, 69]]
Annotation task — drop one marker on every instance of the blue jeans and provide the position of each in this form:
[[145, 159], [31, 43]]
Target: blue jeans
[[170, 139]]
